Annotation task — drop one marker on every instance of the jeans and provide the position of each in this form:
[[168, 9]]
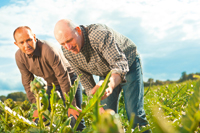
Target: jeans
[[78, 97], [133, 90]]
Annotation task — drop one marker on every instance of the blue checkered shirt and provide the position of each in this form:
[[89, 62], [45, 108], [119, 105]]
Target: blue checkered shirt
[[104, 50]]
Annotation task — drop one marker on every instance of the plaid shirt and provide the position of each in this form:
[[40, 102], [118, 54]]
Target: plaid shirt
[[104, 50]]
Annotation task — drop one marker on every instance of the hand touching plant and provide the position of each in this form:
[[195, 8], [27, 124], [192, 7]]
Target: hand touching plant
[[114, 81]]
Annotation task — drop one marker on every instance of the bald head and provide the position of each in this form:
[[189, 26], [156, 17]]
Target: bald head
[[18, 29], [62, 27], [69, 35]]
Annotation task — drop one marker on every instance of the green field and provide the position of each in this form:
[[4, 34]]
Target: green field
[[167, 107], [170, 108]]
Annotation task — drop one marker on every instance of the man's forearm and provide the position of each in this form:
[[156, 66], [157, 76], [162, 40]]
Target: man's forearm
[[115, 80]]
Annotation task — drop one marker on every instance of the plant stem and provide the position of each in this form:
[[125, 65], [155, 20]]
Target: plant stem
[[62, 117], [6, 119], [39, 113], [52, 114]]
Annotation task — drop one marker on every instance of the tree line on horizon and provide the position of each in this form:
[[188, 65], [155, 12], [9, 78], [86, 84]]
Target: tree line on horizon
[[184, 77], [15, 96], [20, 96]]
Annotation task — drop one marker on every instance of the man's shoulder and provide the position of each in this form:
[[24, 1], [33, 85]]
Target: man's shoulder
[[96, 27], [43, 43], [47, 46], [19, 54], [97, 32]]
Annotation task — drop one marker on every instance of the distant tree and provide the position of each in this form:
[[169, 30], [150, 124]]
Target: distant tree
[[150, 80], [183, 76], [190, 76], [198, 73], [17, 96], [158, 82], [2, 98]]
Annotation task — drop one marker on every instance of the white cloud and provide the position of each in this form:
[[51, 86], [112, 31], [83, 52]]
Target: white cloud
[[6, 65], [157, 16], [8, 51], [159, 21], [11, 77]]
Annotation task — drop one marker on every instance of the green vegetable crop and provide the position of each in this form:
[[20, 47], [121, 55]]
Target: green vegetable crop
[[169, 108]]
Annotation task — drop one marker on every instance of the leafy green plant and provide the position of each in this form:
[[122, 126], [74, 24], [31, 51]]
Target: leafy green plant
[[169, 108], [14, 115], [190, 121], [41, 97], [57, 117], [58, 113], [94, 101]]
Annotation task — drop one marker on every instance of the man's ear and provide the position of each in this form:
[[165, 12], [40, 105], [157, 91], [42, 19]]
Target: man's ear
[[34, 36], [78, 29], [16, 44]]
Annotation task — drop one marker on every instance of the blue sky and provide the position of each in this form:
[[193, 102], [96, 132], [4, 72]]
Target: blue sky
[[166, 32]]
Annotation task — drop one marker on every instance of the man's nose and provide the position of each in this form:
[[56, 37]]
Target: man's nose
[[68, 46], [26, 45]]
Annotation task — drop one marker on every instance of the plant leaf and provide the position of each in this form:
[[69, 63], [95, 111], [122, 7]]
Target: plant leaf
[[191, 120], [99, 93]]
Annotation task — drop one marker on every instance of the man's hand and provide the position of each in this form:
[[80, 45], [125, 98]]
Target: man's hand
[[115, 80], [96, 87], [35, 114], [107, 93], [101, 110], [74, 112]]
